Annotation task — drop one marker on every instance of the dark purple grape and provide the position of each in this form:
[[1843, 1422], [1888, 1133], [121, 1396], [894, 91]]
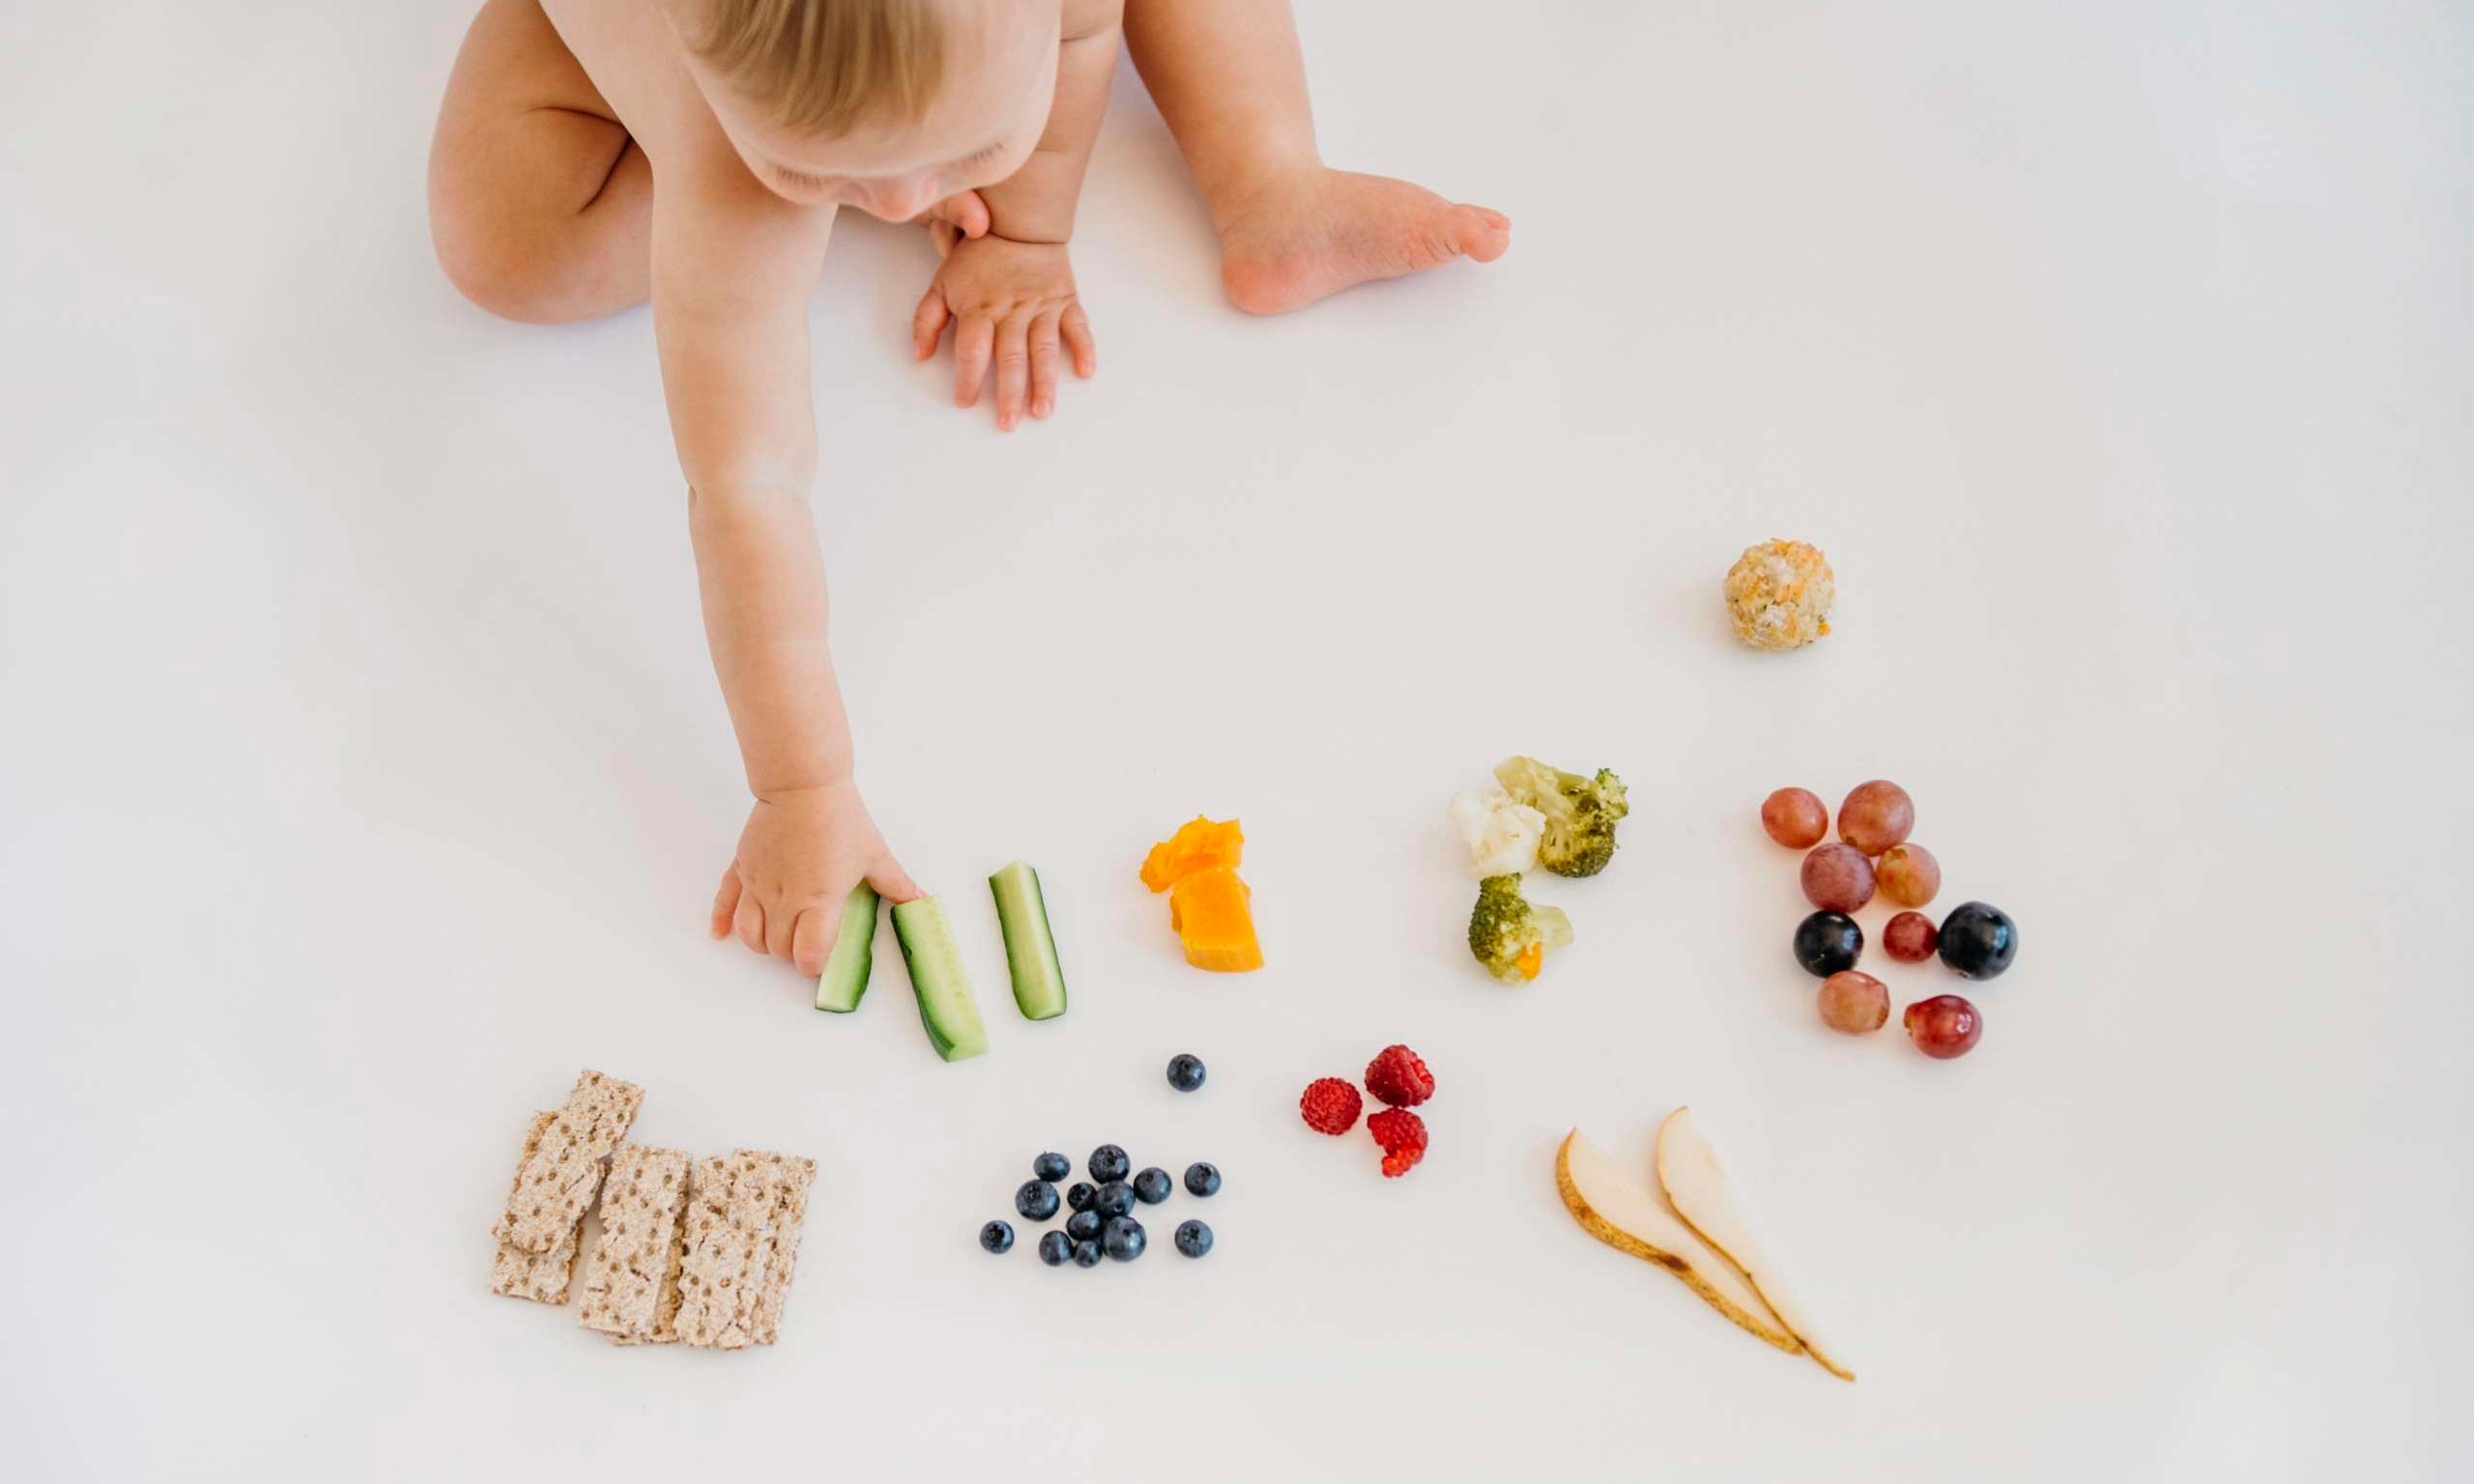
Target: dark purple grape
[[1978, 941], [1828, 942]]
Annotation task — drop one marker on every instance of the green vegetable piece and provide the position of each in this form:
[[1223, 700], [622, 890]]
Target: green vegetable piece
[[1030, 946], [845, 979], [938, 978]]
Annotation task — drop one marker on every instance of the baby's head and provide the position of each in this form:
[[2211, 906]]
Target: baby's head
[[887, 106]]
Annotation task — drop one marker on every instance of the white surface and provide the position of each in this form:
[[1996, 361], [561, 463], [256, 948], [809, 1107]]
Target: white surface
[[361, 775]]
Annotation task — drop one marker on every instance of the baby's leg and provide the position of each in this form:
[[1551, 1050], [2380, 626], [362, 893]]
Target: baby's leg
[[540, 204], [1229, 79]]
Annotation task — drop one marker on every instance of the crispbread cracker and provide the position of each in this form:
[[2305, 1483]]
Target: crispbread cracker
[[541, 1277], [561, 1171], [744, 1215], [790, 1220], [641, 1204]]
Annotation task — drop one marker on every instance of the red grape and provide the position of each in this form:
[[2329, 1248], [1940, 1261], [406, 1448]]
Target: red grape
[[1876, 817], [1908, 874], [1855, 1002], [1910, 937], [1795, 817], [1943, 1026], [1837, 878]]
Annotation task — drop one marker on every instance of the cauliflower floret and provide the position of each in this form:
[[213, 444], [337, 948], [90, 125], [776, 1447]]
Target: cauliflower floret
[[1501, 832]]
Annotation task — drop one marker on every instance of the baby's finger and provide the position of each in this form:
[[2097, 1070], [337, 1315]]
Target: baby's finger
[[779, 928], [928, 323], [749, 922], [1013, 369], [1043, 365], [811, 939], [893, 883], [724, 902], [1077, 327], [973, 337]]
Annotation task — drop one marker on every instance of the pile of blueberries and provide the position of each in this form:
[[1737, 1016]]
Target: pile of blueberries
[[1103, 1224]]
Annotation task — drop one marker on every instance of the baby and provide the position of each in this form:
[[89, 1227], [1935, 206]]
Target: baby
[[758, 119]]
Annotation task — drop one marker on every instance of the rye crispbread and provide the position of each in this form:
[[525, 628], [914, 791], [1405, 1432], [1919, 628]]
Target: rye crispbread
[[640, 1202]]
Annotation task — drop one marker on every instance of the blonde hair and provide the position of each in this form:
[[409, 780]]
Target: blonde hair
[[824, 65]]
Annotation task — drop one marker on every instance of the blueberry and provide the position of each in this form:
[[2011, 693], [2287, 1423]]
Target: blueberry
[[1083, 1226], [1086, 1254], [1036, 1200], [1052, 1167], [1152, 1185], [1978, 941], [1123, 1238], [1203, 1179], [1193, 1239], [1115, 1199], [1079, 1194], [1108, 1163], [1055, 1247], [996, 1237], [1828, 943], [1185, 1072]]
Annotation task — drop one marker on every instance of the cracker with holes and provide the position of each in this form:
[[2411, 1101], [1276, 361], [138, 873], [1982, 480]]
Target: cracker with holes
[[541, 1277], [642, 1200], [744, 1216], [561, 1172]]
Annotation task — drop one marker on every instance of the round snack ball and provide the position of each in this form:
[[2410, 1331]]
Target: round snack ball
[[1779, 593]]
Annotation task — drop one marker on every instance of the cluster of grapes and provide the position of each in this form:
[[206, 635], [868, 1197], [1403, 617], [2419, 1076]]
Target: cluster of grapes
[[1874, 855]]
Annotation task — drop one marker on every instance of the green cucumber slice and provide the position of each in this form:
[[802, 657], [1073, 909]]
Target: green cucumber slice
[[1030, 947], [844, 979], [939, 981]]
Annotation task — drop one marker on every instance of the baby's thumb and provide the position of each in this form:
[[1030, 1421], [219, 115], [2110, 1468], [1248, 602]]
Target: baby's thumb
[[894, 884]]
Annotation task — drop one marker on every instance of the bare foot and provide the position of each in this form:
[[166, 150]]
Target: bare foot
[[1309, 235]]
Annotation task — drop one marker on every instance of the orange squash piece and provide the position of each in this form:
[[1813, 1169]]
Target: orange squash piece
[[1211, 910], [1199, 845]]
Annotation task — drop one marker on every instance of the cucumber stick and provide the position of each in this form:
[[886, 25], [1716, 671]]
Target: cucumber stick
[[854, 952], [939, 981], [1031, 948]]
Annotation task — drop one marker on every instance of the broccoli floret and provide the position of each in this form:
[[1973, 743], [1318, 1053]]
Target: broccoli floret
[[1511, 937], [1581, 813]]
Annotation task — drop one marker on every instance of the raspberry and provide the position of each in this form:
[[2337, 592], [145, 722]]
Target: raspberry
[[1330, 1105], [1403, 1137], [1398, 1076]]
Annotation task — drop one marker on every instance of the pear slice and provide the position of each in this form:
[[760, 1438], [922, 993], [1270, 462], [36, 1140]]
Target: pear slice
[[1623, 1212], [1696, 1185]]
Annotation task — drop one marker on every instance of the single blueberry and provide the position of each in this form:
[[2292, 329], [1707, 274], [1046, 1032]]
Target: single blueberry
[[1086, 1254], [1055, 1247], [1152, 1185], [1193, 1239], [1108, 1163], [1083, 1226], [1123, 1238], [1203, 1179], [1115, 1199], [1036, 1201], [1079, 1195], [996, 1237], [1185, 1072], [1052, 1167], [1978, 941], [1828, 943]]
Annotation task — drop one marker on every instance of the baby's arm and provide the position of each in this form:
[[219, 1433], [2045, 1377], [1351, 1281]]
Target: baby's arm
[[1010, 295], [733, 269]]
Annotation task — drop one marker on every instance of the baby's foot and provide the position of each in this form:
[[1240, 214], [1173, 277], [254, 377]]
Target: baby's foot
[[1309, 234]]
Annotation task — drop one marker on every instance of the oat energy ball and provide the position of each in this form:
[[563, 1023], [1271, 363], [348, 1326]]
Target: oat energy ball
[[1778, 595]]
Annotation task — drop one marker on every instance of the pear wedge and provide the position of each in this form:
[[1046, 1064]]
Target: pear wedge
[[1623, 1212], [1696, 1187]]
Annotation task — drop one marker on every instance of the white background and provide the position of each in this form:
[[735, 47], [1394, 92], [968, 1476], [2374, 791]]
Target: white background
[[363, 777]]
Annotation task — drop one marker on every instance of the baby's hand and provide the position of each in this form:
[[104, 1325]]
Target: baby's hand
[[803, 853], [1011, 301]]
